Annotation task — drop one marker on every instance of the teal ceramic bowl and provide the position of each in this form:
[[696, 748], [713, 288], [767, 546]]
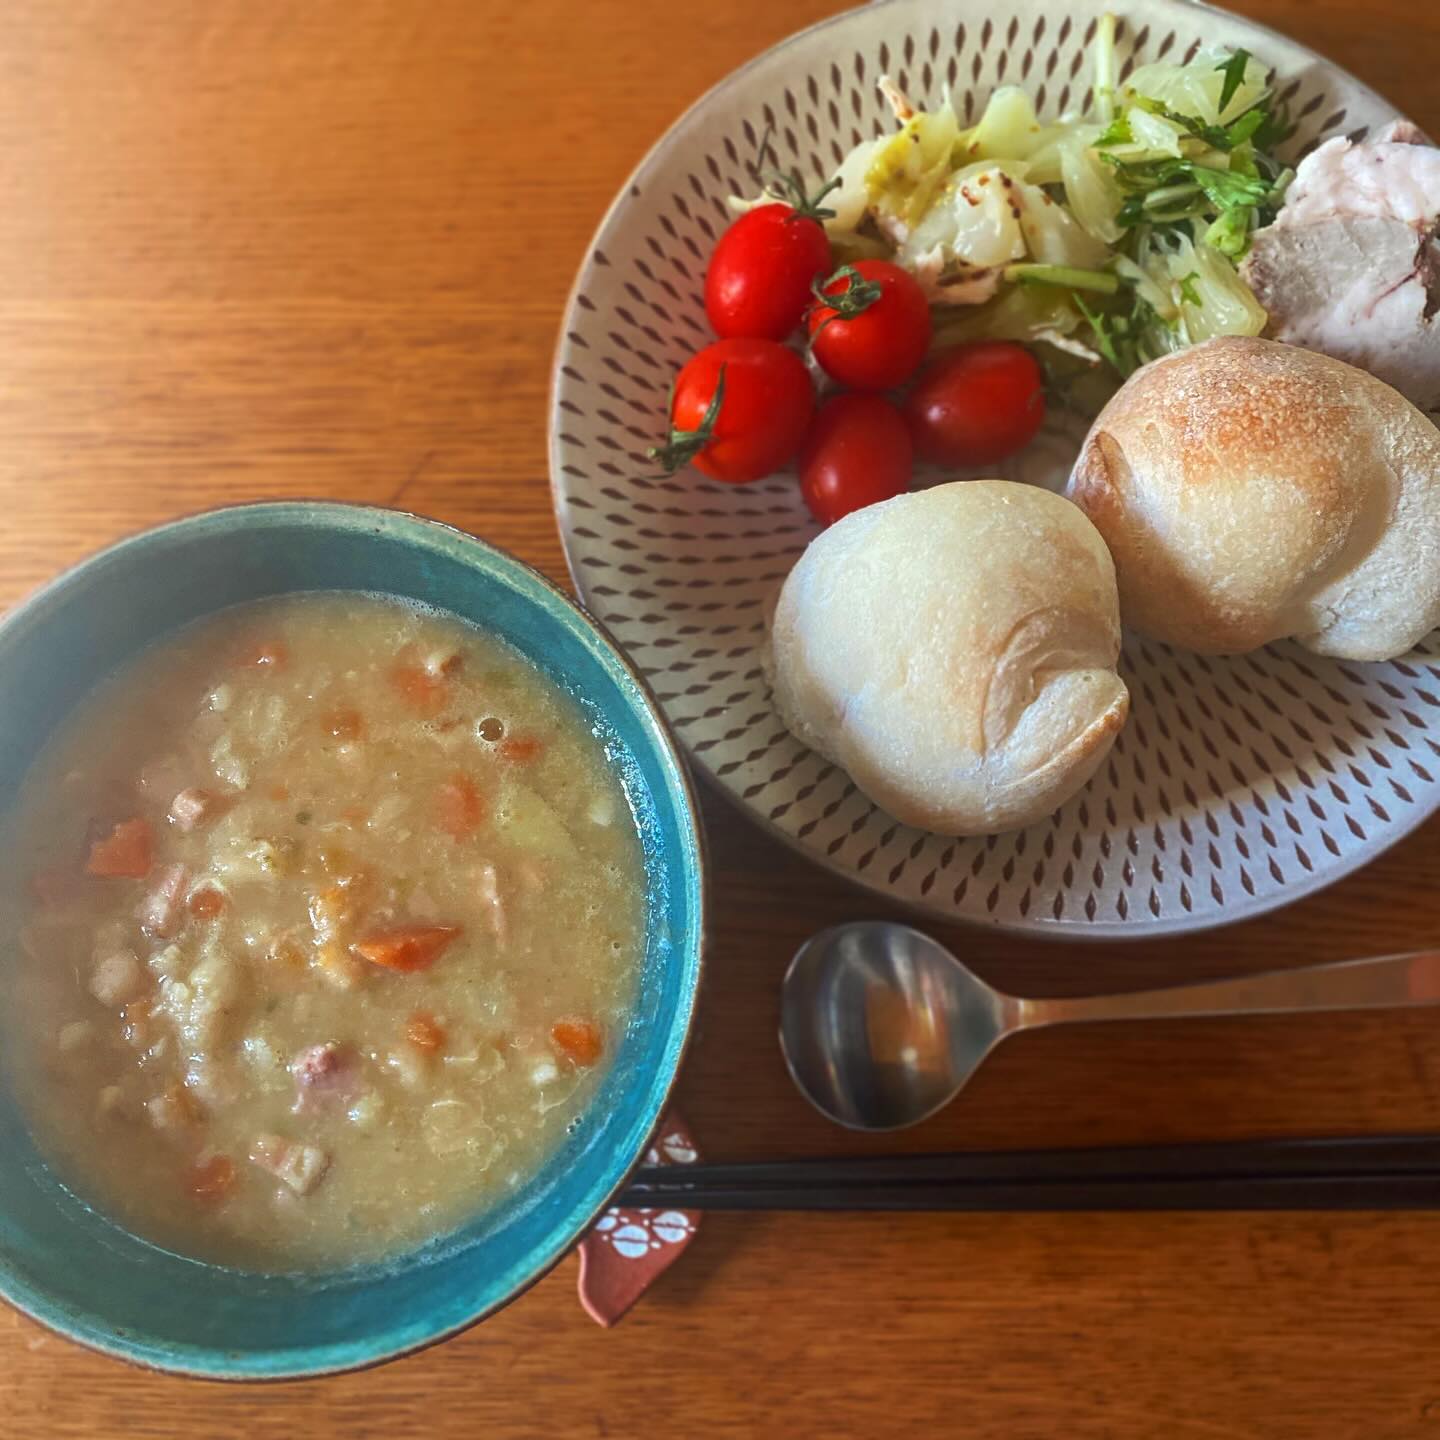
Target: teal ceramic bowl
[[81, 1274]]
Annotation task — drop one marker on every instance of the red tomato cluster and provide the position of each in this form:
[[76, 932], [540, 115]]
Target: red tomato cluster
[[744, 406]]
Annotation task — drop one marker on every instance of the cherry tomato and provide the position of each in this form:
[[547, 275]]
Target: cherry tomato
[[876, 328], [856, 453], [739, 412], [760, 275], [976, 404]]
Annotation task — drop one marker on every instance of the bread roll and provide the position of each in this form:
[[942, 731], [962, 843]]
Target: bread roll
[[1250, 491], [954, 650]]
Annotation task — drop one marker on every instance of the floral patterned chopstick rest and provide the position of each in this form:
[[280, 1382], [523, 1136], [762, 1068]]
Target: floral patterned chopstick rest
[[629, 1249]]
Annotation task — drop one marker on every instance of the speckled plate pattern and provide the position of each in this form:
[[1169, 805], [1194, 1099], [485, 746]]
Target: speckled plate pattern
[[1238, 784]]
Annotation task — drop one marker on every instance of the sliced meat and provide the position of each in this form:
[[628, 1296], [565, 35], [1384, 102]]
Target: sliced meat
[[163, 908], [1351, 267], [1379, 179], [1402, 132], [299, 1166], [192, 808], [117, 978]]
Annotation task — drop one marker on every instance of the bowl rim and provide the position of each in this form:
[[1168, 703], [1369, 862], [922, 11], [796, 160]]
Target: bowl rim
[[219, 1364]]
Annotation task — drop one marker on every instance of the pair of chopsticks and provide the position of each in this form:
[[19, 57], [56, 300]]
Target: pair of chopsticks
[[1396, 1172]]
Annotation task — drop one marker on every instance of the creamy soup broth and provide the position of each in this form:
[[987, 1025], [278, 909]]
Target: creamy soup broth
[[327, 918]]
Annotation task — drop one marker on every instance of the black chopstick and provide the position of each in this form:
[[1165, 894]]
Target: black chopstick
[[1342, 1172], [1293, 1192]]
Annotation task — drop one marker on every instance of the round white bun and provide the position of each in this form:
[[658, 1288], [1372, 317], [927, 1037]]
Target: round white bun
[[954, 651], [1251, 491]]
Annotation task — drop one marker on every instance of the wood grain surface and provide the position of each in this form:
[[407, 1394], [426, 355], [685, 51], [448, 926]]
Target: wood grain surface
[[254, 248]]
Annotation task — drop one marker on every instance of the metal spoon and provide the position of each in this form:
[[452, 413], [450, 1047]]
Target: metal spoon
[[882, 1026]]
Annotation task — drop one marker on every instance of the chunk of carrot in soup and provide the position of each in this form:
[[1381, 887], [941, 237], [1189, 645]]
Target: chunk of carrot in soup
[[406, 948], [343, 724], [579, 1041], [211, 1180], [521, 749], [459, 807], [422, 1031], [125, 853], [206, 902], [418, 688], [266, 654]]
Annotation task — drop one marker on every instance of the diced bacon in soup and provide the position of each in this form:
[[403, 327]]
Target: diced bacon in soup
[[192, 808], [323, 1072], [163, 907], [298, 1165]]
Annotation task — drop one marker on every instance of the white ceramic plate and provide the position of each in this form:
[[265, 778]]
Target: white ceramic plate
[[1238, 784]]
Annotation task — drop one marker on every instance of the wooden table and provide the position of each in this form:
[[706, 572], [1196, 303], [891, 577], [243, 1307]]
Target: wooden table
[[255, 248]]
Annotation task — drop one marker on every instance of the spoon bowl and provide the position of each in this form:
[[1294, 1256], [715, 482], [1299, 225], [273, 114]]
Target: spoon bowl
[[881, 1026]]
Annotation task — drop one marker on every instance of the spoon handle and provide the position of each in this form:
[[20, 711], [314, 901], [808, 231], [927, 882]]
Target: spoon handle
[[1382, 983]]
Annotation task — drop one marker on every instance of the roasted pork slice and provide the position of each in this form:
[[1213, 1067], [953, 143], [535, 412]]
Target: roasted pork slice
[[1351, 267]]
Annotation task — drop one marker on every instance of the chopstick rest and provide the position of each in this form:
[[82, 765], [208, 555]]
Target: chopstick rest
[[630, 1247]]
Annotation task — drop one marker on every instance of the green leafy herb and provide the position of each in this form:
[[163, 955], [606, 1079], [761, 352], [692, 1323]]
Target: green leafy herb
[[1223, 188], [1233, 70], [1229, 233], [1105, 337], [1117, 132], [1128, 338], [1215, 136], [1239, 131], [1068, 277], [1188, 291], [1226, 189], [1170, 192]]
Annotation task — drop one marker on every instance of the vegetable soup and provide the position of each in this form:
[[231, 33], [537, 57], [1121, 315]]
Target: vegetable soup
[[327, 917]]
